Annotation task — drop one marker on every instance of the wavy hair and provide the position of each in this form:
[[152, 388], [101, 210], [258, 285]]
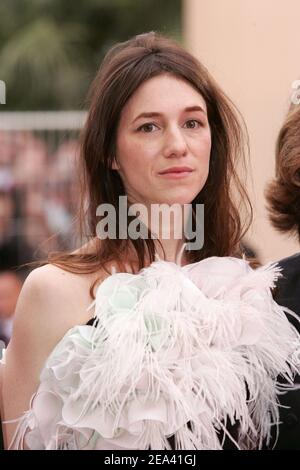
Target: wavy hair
[[283, 192]]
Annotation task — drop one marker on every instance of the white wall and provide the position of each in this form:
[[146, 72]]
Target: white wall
[[252, 48]]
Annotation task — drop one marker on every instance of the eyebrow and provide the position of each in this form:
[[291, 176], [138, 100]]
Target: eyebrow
[[156, 114]]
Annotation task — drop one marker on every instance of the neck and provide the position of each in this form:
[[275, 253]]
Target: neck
[[171, 250], [168, 226]]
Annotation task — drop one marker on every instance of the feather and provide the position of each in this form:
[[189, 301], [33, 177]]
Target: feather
[[176, 351]]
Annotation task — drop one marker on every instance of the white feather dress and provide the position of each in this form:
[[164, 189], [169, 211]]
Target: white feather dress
[[174, 351]]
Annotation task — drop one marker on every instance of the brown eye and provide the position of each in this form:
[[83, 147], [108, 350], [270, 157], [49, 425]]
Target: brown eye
[[147, 127], [195, 124]]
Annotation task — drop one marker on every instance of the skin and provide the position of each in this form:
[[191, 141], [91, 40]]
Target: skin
[[148, 145]]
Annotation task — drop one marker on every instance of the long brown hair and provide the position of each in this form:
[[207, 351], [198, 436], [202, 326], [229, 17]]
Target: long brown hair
[[283, 192], [125, 67]]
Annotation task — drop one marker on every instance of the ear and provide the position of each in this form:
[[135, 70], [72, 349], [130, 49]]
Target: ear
[[115, 165]]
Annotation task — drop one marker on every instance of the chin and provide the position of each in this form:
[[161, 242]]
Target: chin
[[177, 200], [182, 197]]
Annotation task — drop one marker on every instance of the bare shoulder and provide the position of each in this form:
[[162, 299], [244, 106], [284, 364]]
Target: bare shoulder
[[43, 312], [51, 276], [64, 296], [51, 302]]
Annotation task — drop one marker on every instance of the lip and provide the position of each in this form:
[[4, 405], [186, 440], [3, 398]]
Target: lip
[[176, 172]]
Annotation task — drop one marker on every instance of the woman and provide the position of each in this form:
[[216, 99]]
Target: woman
[[179, 345], [283, 196]]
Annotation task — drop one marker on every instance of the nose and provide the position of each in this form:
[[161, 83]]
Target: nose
[[175, 144]]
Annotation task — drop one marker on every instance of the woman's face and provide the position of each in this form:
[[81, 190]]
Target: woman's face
[[163, 142]]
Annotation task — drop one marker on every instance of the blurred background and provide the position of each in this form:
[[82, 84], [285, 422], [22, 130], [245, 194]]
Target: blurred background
[[50, 51]]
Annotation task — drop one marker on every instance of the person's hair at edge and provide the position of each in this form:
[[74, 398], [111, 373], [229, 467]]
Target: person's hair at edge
[[125, 67], [283, 192]]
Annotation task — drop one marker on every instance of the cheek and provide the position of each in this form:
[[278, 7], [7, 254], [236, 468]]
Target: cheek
[[202, 150], [133, 156], [207, 142]]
